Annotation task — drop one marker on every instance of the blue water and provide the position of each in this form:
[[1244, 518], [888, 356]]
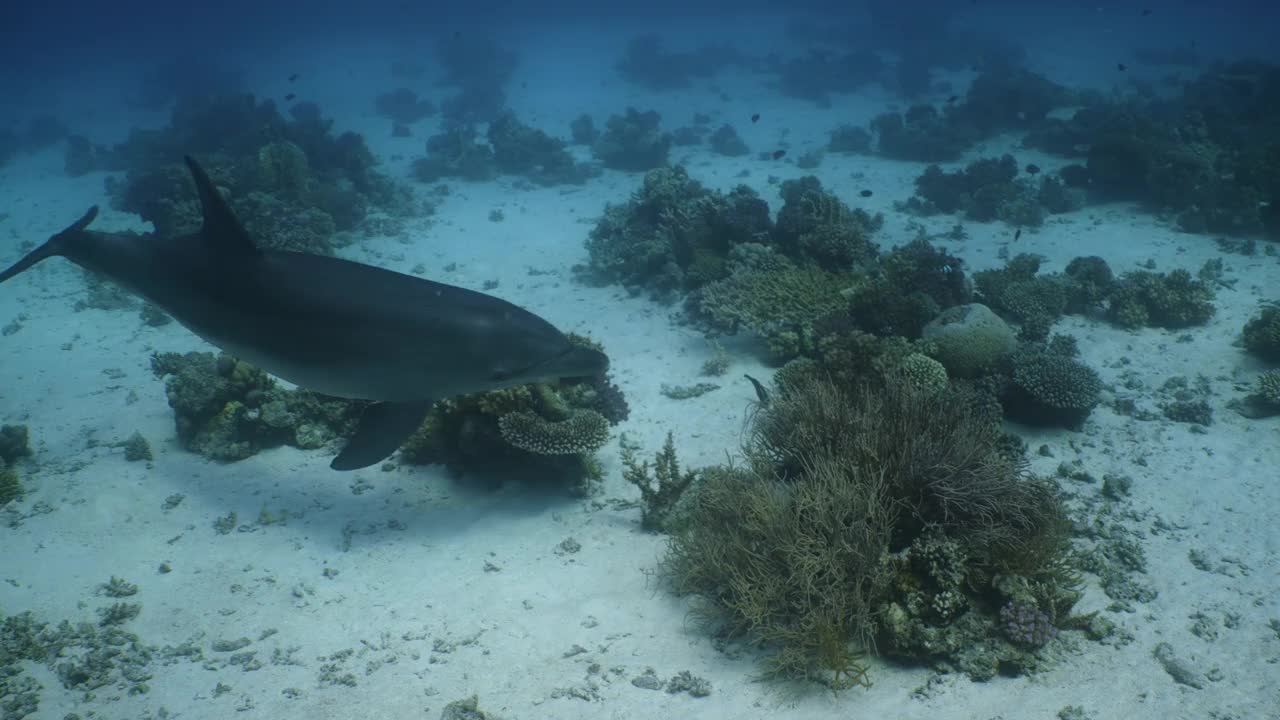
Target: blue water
[[401, 588]]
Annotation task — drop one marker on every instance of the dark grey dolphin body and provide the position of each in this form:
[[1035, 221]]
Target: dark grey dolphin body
[[333, 326]]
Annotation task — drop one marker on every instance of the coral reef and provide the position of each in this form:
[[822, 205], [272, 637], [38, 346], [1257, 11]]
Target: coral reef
[[673, 234], [291, 167], [850, 139], [725, 141], [583, 130], [633, 142], [1170, 300], [920, 134], [819, 74], [1203, 157], [403, 106], [986, 190], [479, 69], [815, 225], [648, 64], [456, 153], [1261, 334], [530, 153], [1037, 301]]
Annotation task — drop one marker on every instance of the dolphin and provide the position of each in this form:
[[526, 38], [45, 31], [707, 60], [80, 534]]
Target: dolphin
[[334, 326]]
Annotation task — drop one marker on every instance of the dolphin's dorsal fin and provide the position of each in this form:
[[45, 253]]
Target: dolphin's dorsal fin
[[221, 228]]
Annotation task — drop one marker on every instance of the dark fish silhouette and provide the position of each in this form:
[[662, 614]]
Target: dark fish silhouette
[[293, 77], [1121, 67], [1032, 168], [762, 394], [1017, 234], [290, 97], [865, 193], [334, 326], [755, 117], [779, 154]]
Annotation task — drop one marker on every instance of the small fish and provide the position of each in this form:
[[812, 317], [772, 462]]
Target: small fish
[[1017, 234], [761, 393], [1032, 168], [779, 154], [952, 100], [1121, 67], [289, 97], [1146, 12], [293, 77], [865, 193], [755, 117]]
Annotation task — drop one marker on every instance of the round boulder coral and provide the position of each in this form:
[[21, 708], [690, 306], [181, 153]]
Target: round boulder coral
[[583, 432], [969, 339]]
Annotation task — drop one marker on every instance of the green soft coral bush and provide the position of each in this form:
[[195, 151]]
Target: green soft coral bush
[[874, 518]]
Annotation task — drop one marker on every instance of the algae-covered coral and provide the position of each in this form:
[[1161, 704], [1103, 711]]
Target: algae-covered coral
[[227, 410]]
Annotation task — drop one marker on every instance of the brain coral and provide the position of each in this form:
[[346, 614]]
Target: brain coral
[[969, 339]]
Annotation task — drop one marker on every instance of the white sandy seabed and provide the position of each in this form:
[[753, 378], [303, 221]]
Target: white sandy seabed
[[390, 594]]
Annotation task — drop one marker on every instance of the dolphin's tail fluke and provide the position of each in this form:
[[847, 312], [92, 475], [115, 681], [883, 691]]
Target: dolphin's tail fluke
[[53, 246]]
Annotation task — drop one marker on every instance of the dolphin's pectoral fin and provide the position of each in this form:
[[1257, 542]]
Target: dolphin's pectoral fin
[[383, 428]]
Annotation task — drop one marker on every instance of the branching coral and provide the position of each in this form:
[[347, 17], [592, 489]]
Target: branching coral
[[1049, 389], [779, 306], [1261, 334], [660, 491], [1172, 300]]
